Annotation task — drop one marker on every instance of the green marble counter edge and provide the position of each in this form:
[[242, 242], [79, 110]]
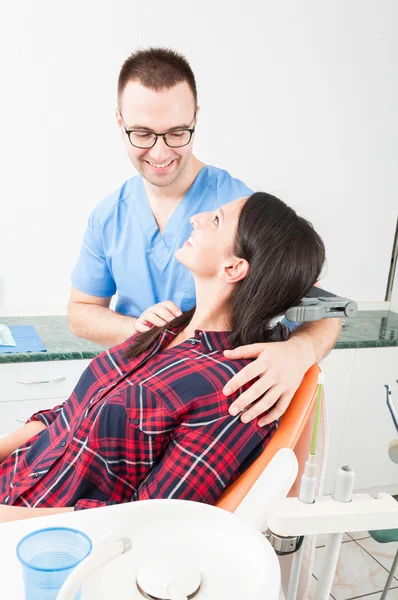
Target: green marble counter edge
[[354, 334]]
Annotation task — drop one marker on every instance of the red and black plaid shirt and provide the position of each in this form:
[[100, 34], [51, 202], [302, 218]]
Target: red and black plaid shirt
[[156, 426]]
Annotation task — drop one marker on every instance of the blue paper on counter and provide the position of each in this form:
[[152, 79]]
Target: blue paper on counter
[[26, 340]]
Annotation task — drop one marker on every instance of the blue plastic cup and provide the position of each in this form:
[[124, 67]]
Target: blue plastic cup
[[48, 556]]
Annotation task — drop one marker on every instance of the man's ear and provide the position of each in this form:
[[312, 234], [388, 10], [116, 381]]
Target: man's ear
[[119, 121], [234, 270], [196, 115]]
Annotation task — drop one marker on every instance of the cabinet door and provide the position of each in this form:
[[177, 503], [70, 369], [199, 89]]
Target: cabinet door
[[14, 414], [35, 380], [368, 428], [337, 368]]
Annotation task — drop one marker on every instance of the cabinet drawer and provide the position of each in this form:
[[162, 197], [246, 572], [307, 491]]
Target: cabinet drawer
[[368, 428], [35, 380], [14, 414]]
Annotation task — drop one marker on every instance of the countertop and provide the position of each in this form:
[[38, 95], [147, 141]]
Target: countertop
[[368, 329], [55, 334]]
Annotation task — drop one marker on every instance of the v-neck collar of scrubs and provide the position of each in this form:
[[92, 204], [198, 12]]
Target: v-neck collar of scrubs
[[178, 217]]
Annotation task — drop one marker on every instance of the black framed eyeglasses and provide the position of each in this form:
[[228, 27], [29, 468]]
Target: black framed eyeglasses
[[144, 139]]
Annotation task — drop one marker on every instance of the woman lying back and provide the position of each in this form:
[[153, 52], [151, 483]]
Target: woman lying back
[[147, 418]]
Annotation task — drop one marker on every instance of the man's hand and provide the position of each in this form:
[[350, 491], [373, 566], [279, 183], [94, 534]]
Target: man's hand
[[280, 367], [158, 314]]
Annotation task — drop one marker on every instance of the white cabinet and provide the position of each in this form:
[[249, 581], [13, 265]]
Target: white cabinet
[[368, 427], [28, 387], [359, 423], [14, 414], [337, 368]]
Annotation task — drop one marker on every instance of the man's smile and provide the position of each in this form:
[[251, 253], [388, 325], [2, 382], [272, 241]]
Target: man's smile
[[160, 166]]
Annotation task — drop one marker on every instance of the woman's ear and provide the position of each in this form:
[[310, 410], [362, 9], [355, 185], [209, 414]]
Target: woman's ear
[[234, 270]]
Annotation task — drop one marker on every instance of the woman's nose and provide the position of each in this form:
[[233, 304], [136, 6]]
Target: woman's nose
[[197, 220]]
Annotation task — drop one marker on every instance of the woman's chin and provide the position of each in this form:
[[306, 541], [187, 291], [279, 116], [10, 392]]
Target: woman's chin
[[181, 256], [185, 256]]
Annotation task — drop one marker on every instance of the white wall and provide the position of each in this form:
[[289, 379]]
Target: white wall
[[298, 99]]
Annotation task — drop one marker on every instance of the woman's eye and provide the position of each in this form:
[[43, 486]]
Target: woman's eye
[[216, 220]]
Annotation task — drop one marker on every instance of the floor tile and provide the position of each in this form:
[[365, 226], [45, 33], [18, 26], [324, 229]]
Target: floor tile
[[322, 539], [357, 573], [384, 553], [392, 595]]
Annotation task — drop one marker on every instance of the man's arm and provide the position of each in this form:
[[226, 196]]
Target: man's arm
[[91, 318], [280, 367], [318, 337]]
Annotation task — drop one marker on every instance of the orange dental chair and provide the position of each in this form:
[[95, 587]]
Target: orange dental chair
[[294, 432]]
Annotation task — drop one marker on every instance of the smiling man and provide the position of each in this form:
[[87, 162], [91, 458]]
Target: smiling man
[[133, 234]]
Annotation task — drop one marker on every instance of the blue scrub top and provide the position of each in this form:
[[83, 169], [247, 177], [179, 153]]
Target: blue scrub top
[[124, 252]]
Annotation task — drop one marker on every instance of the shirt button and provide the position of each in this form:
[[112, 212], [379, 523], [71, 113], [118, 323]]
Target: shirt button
[[193, 341], [63, 444], [36, 475], [136, 421], [5, 501]]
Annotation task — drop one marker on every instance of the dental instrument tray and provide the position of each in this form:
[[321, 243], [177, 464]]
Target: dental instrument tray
[[321, 304]]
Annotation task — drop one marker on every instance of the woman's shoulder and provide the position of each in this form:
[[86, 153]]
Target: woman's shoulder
[[228, 367]]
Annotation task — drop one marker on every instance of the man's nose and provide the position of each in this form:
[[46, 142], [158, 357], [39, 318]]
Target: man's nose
[[159, 151]]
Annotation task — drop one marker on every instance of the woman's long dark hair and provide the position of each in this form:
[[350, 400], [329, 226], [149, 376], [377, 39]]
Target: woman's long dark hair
[[285, 255]]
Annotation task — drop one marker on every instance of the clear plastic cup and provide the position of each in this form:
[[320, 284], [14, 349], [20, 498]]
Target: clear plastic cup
[[48, 556]]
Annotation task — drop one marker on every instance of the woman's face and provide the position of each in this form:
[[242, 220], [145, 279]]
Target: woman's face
[[209, 248]]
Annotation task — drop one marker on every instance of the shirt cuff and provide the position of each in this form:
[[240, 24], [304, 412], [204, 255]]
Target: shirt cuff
[[93, 290], [45, 416]]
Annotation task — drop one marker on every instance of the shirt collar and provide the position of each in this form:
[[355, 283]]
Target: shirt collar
[[209, 341]]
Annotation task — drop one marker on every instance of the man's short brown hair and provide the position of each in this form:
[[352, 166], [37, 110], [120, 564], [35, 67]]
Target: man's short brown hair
[[157, 69]]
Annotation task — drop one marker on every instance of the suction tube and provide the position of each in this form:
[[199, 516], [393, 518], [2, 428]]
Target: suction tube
[[89, 564], [307, 491]]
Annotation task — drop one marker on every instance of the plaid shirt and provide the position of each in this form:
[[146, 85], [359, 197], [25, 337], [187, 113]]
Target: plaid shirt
[[156, 426]]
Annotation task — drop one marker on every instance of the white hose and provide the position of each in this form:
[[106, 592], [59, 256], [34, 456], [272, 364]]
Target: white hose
[[93, 561], [325, 580], [342, 492]]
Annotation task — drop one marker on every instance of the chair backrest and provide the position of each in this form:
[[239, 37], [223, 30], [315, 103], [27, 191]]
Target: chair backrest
[[294, 431]]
